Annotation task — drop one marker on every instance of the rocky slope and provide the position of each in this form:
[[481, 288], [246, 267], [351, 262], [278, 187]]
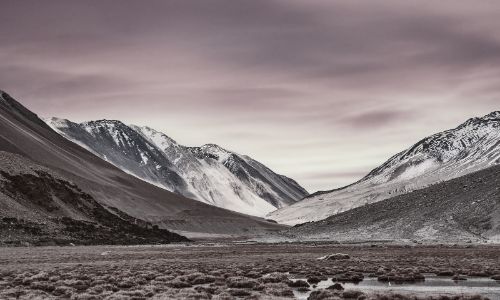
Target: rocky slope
[[40, 207], [460, 210], [119, 144], [208, 173], [472, 146], [24, 134]]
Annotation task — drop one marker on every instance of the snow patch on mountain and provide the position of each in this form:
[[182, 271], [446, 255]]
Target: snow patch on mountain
[[208, 173], [216, 175], [56, 123], [472, 146], [215, 151], [59, 125]]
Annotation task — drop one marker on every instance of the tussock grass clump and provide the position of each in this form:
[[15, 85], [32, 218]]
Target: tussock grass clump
[[278, 289], [324, 295], [336, 287], [178, 283], [298, 283], [275, 277], [398, 296], [241, 282], [352, 294], [238, 292]]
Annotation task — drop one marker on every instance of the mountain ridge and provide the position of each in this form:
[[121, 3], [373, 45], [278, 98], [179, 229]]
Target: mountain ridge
[[463, 209], [23, 133], [209, 173], [469, 147]]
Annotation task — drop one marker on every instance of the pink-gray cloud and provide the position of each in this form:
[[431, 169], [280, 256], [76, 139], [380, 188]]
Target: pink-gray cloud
[[319, 90]]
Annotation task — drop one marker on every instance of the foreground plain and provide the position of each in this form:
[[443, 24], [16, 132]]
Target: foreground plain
[[227, 271]]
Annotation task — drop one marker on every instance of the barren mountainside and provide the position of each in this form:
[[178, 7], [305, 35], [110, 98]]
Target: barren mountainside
[[208, 173], [472, 146], [22, 133], [38, 206], [459, 210]]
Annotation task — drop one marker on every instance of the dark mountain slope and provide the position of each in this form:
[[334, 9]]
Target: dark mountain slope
[[462, 209], [22, 132], [40, 207]]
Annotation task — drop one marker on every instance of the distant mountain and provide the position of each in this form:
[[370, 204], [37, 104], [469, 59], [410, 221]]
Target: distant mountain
[[459, 210], [208, 173], [46, 179], [472, 146], [127, 149]]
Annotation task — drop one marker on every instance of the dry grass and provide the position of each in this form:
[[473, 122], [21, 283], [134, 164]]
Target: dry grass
[[222, 271]]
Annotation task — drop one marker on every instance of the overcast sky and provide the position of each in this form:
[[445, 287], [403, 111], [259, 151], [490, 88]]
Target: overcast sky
[[319, 90]]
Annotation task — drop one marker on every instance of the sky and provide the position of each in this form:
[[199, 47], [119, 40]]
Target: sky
[[321, 91]]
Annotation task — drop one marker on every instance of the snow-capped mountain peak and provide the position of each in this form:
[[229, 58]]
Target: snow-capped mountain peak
[[57, 122], [492, 116], [472, 146], [208, 173], [158, 138], [122, 146], [213, 151], [471, 141], [109, 125]]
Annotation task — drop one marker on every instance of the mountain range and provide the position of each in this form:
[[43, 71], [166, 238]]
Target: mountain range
[[106, 182], [209, 173], [465, 209], [52, 189], [470, 147]]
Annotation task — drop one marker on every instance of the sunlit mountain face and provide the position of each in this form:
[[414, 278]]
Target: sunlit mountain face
[[208, 173], [472, 146]]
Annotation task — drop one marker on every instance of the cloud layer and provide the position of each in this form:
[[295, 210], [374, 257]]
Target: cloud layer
[[319, 90]]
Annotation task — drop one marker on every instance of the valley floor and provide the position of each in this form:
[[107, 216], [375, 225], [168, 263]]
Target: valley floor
[[242, 271]]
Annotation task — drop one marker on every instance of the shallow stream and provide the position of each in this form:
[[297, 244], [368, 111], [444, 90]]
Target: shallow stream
[[433, 285]]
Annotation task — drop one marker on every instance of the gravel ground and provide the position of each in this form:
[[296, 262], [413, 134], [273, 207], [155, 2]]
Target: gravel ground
[[225, 271]]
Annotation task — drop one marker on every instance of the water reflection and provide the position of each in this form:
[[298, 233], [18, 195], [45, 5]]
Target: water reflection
[[433, 285]]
